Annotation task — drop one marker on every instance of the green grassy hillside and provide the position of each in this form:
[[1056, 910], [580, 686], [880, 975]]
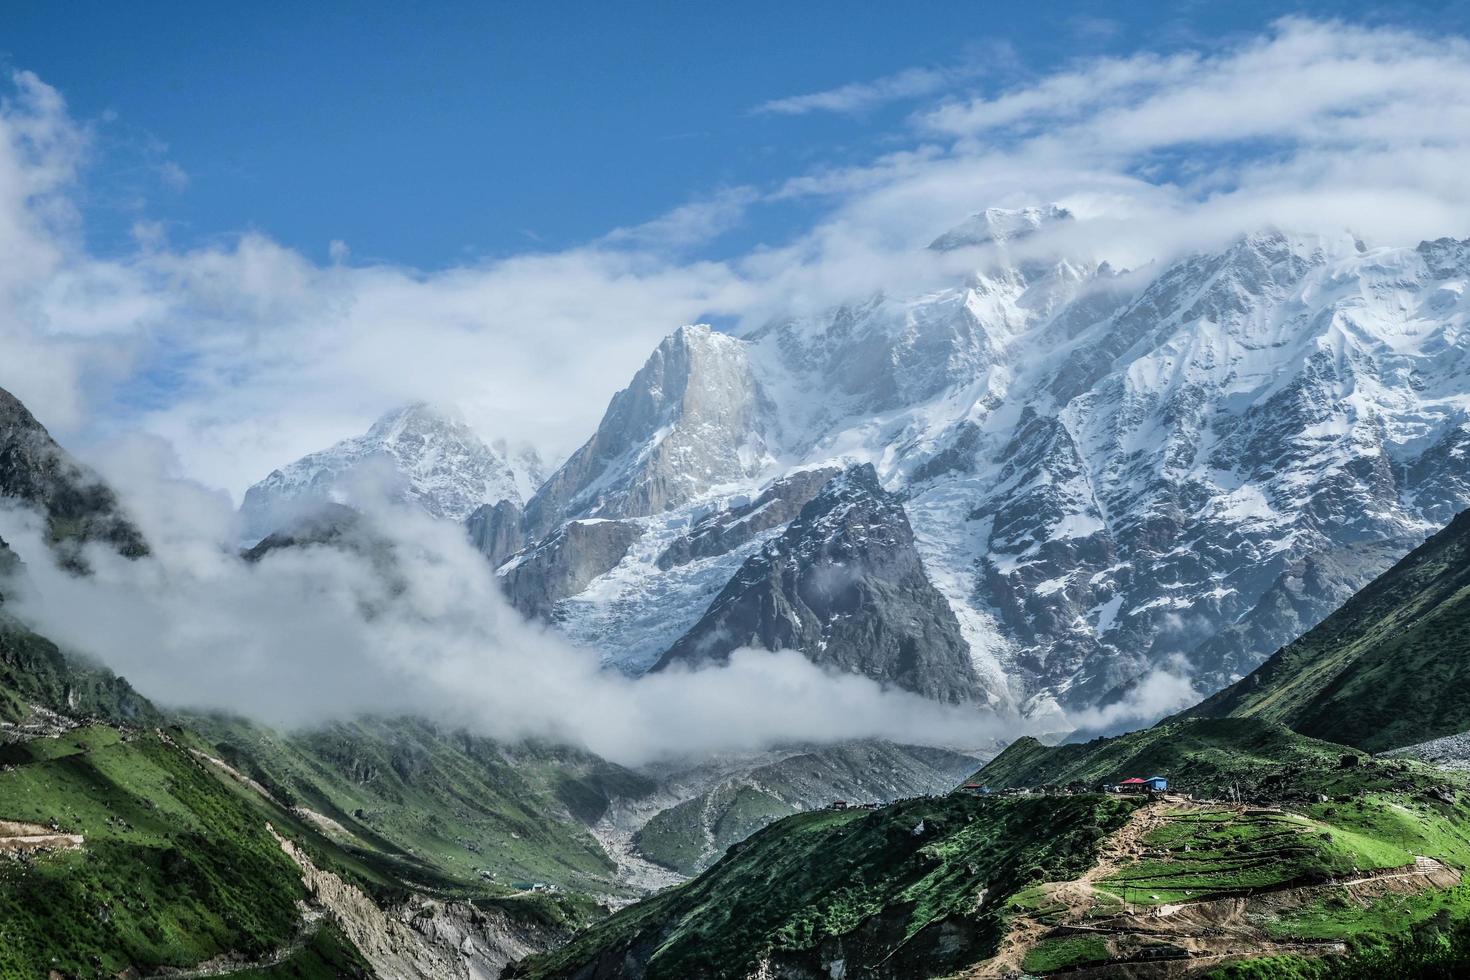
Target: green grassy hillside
[[1390, 668], [1206, 757], [920, 886], [472, 808], [174, 867], [694, 834], [1336, 848]]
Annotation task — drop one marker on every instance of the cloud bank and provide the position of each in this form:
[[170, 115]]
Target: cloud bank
[[310, 634]]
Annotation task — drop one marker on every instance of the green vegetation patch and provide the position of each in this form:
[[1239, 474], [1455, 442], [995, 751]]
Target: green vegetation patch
[[679, 838], [1061, 952], [174, 869], [1223, 852], [468, 811], [885, 881], [327, 955]]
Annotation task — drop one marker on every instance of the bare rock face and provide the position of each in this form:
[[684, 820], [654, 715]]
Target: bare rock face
[[692, 418], [563, 564], [844, 585], [725, 530], [78, 506], [424, 938], [495, 530]]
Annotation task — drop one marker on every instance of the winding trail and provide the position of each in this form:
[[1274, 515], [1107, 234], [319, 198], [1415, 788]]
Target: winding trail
[[1206, 932]]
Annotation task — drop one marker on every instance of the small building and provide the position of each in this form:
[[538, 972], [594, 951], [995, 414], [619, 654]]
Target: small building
[[979, 789], [1157, 784], [839, 804], [1132, 785]]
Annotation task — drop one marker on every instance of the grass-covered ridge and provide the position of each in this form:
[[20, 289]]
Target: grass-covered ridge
[[175, 868], [1389, 668], [477, 811], [1206, 757], [920, 885]]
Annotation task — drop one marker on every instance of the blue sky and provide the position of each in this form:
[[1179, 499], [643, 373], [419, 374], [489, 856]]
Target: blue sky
[[531, 196], [431, 135]]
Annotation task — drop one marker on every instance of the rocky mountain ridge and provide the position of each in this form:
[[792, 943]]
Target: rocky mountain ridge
[[1107, 473], [418, 455], [1103, 470]]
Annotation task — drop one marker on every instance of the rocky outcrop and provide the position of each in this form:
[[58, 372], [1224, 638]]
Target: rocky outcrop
[[423, 938], [725, 530], [563, 565], [693, 417], [495, 530], [844, 585], [79, 508]]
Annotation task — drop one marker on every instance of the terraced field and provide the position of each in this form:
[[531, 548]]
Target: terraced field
[[1185, 885]]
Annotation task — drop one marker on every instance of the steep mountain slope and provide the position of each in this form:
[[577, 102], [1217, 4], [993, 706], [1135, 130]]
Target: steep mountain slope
[[416, 454], [914, 890], [694, 834], [1337, 853], [1390, 668], [463, 805], [843, 583], [41, 687], [1306, 592], [78, 507], [693, 417], [1103, 470]]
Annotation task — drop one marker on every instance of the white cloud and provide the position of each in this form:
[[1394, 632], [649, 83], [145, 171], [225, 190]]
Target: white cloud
[[855, 97], [315, 633], [246, 354]]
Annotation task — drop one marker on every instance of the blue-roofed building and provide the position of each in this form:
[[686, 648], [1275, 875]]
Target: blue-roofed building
[[1157, 784]]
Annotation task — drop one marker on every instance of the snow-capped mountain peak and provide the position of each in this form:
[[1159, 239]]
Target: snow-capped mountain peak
[[1103, 471], [420, 454], [999, 226]]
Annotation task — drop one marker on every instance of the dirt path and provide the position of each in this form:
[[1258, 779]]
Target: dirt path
[[1079, 896], [1206, 932], [27, 838], [228, 964]]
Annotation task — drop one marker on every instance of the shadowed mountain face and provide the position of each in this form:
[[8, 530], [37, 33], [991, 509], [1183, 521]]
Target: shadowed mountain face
[[843, 583], [79, 508], [1390, 668]]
